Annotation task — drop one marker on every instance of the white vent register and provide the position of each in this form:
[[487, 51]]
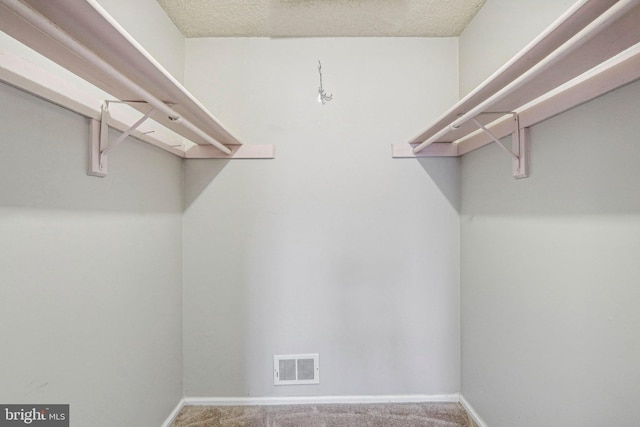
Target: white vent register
[[296, 369]]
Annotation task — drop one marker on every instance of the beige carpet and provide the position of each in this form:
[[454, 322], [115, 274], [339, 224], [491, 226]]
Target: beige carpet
[[370, 415]]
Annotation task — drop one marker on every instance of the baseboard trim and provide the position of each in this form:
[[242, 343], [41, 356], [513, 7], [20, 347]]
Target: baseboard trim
[[174, 413], [472, 412], [318, 400]]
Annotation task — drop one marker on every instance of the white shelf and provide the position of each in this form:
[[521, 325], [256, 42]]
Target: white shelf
[[114, 62], [594, 36]]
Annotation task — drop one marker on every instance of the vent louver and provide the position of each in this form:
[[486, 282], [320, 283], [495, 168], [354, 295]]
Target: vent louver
[[296, 369]]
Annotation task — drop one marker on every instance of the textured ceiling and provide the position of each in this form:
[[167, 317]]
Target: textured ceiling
[[321, 18]]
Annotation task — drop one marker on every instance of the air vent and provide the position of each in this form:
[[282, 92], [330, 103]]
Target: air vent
[[293, 369]]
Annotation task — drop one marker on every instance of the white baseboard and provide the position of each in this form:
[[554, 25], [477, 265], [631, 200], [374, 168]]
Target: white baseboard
[[174, 413], [472, 412], [317, 400]]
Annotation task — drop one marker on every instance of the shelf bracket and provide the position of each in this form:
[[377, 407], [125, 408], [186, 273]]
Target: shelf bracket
[[99, 140], [519, 146]]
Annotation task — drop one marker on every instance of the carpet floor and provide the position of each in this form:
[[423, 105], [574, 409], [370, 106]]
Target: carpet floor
[[343, 415]]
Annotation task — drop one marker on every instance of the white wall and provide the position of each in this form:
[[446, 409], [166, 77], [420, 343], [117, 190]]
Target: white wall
[[499, 31], [549, 264], [333, 247], [550, 273], [90, 270]]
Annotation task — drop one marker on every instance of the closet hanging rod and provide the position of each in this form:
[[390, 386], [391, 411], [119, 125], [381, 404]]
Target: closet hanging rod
[[568, 24], [615, 12], [53, 31]]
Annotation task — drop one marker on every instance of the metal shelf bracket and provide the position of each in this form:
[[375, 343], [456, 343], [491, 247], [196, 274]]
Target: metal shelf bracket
[[99, 139], [519, 150]]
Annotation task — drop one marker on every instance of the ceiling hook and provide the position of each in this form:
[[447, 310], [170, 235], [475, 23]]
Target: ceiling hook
[[322, 96]]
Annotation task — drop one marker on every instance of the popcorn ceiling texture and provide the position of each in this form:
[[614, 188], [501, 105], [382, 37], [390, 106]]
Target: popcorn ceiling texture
[[321, 18]]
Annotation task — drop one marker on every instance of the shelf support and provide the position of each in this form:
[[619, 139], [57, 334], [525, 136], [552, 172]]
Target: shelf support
[[100, 146], [55, 32], [495, 138], [519, 146]]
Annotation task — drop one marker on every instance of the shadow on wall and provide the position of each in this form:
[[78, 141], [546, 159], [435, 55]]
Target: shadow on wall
[[446, 178], [201, 175]]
